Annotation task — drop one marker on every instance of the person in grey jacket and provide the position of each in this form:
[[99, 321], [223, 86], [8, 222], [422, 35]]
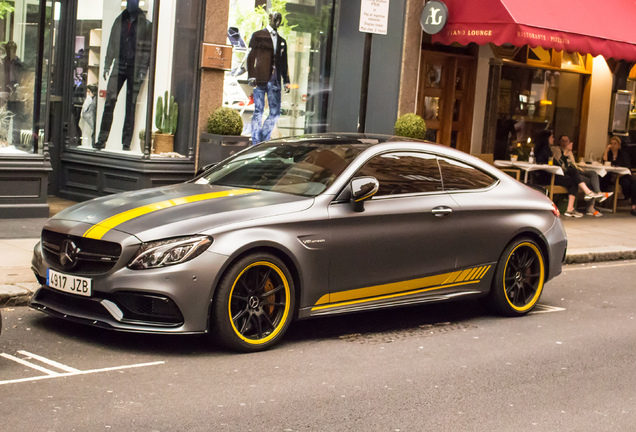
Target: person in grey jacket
[[266, 67]]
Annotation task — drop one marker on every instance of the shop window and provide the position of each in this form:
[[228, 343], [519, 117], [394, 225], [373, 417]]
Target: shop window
[[433, 76], [431, 108], [531, 100], [307, 32], [109, 77], [19, 35]]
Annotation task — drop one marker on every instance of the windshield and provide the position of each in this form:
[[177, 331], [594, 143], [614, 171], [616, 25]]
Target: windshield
[[304, 169]]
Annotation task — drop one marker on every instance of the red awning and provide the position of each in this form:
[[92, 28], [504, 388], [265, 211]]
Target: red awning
[[606, 28]]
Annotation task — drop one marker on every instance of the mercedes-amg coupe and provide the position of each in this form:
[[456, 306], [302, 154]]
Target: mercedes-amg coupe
[[297, 228]]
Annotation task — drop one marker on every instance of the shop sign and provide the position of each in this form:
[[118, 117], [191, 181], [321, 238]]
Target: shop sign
[[434, 17], [217, 56], [374, 16]]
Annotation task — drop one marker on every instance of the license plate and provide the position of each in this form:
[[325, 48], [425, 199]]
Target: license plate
[[69, 283]]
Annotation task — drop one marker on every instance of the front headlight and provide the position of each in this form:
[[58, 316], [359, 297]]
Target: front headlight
[[169, 252]]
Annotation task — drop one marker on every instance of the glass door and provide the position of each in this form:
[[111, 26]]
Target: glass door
[[445, 98]]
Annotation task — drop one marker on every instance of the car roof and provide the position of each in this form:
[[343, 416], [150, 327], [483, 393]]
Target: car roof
[[334, 138]]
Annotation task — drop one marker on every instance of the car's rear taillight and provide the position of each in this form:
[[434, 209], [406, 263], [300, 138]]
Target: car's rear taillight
[[555, 210]]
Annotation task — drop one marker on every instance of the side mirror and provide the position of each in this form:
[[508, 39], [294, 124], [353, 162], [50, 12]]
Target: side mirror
[[362, 189]]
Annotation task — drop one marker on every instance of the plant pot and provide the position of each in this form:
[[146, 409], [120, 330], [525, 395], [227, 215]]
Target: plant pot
[[215, 148], [162, 143]]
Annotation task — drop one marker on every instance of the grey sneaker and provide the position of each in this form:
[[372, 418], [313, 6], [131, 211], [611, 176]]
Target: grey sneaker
[[573, 213], [604, 195]]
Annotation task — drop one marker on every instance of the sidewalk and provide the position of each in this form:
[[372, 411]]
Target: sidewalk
[[612, 237]]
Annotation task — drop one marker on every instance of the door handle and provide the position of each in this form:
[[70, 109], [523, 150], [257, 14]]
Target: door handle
[[441, 211]]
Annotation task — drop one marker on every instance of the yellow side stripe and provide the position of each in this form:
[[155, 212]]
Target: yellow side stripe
[[402, 294], [464, 276], [99, 230], [427, 283], [473, 274], [484, 272]]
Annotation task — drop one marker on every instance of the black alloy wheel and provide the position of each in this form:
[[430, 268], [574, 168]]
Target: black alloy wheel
[[254, 303], [519, 278]]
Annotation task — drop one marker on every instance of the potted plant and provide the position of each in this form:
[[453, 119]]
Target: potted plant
[[166, 116], [223, 137], [410, 126]]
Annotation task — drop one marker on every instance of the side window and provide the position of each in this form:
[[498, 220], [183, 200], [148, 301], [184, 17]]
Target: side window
[[459, 176], [404, 173]]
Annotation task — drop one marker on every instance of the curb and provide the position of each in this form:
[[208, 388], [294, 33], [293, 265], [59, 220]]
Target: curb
[[16, 295], [600, 255]]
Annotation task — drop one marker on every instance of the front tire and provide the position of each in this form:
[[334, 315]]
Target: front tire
[[254, 303], [519, 278]]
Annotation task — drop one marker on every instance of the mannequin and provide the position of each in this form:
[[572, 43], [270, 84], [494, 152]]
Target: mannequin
[[266, 66], [87, 117], [129, 49]]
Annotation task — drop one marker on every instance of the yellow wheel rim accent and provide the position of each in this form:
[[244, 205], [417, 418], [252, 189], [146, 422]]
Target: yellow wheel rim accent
[[539, 289], [283, 318]]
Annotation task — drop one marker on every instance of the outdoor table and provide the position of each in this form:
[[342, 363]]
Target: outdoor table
[[602, 170], [529, 167]]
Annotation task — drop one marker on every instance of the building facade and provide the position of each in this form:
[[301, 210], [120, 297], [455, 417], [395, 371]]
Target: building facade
[[82, 82]]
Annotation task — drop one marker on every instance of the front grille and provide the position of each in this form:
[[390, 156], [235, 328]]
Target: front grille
[[93, 257]]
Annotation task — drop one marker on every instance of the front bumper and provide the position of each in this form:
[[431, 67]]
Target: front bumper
[[173, 299]]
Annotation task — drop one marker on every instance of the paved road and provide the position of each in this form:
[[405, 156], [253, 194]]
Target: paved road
[[433, 368]]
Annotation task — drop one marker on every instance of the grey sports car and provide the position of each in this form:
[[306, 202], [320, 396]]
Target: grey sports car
[[297, 228]]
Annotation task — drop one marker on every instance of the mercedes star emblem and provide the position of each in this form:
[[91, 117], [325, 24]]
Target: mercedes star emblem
[[68, 254]]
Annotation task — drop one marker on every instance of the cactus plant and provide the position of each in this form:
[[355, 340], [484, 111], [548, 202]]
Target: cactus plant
[[166, 115]]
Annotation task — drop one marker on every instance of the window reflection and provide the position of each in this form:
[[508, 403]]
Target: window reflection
[[18, 60], [404, 173], [307, 32], [431, 108], [110, 67]]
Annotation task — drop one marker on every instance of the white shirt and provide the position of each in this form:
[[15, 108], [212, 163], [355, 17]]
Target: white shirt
[[274, 36]]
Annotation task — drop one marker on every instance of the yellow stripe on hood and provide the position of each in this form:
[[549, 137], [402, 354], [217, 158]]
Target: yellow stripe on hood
[[99, 230]]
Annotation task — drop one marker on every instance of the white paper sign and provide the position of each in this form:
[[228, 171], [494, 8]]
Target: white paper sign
[[374, 16]]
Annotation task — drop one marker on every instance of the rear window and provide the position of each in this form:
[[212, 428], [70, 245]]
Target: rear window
[[460, 176]]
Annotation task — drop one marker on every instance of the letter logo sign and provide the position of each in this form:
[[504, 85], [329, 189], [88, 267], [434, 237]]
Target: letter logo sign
[[434, 16]]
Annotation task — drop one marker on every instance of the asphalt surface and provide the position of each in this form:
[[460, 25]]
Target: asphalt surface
[[448, 367]]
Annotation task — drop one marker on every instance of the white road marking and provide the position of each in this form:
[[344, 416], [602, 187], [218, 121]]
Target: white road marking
[[31, 365], [53, 363], [70, 371], [546, 309]]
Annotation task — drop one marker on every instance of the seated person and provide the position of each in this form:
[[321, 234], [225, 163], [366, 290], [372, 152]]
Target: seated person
[[574, 178], [619, 158], [543, 143], [543, 146]]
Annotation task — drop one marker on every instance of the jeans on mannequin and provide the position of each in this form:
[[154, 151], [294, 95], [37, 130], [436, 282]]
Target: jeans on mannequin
[[262, 131], [115, 83]]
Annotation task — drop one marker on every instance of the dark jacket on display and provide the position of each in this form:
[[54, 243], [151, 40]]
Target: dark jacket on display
[[139, 52], [262, 61]]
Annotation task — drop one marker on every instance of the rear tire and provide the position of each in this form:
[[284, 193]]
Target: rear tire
[[519, 278], [254, 303]]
